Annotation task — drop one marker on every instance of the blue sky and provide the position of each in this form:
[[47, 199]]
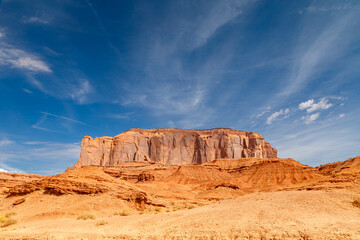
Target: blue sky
[[289, 70]]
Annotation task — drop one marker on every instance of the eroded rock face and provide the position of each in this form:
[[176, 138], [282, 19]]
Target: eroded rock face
[[173, 147], [9, 180]]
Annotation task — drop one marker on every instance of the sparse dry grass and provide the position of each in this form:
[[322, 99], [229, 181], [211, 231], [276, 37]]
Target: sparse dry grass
[[10, 214], [86, 217], [191, 207], [124, 212], [8, 222]]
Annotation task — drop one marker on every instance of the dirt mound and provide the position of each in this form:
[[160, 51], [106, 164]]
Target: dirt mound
[[350, 166], [86, 180], [265, 174]]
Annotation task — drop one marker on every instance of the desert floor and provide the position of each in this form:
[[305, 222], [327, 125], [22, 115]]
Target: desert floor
[[325, 214]]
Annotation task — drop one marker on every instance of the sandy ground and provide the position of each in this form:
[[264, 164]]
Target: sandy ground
[[272, 215]]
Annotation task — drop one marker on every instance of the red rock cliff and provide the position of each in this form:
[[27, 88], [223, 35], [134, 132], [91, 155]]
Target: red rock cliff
[[173, 146]]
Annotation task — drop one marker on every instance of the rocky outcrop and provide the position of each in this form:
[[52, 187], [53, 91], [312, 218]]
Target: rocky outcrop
[[350, 166], [9, 180], [173, 147]]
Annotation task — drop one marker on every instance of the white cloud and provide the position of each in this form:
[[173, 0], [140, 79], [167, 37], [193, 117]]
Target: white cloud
[[79, 92], [334, 7], [37, 84], [310, 118], [321, 105], [36, 20], [219, 15], [75, 89], [283, 113], [30, 63], [35, 143], [27, 91], [311, 106], [263, 112], [41, 128], [20, 59], [306, 104], [5, 142], [3, 170], [119, 116], [62, 117], [45, 116], [342, 115]]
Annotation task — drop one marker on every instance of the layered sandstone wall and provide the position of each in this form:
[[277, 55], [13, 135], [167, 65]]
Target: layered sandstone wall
[[173, 147]]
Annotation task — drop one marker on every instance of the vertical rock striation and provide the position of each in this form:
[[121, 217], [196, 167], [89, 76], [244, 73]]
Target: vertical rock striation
[[173, 147]]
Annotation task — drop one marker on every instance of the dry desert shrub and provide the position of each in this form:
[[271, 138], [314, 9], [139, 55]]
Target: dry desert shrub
[[125, 212], [356, 203], [101, 223], [191, 207], [158, 209], [86, 217], [146, 211]]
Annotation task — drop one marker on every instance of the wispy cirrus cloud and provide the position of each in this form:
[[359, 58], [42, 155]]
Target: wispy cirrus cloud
[[219, 15], [35, 19], [17, 58], [64, 118], [56, 155], [69, 83], [46, 116], [79, 89], [332, 6], [315, 144], [172, 83], [313, 55], [5, 142], [281, 114], [6, 154]]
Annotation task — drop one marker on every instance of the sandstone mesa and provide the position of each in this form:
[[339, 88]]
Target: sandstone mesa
[[173, 147]]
